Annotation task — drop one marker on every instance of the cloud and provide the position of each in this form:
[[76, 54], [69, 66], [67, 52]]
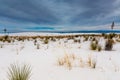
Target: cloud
[[58, 13]]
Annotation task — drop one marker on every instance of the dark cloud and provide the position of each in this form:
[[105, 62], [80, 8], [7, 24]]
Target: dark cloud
[[59, 12], [25, 10]]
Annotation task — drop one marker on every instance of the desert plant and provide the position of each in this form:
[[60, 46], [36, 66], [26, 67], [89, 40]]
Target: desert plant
[[77, 40], [118, 40], [60, 62], [99, 48], [91, 62], [109, 44], [93, 45], [38, 46], [111, 35], [46, 41], [35, 42], [86, 38], [93, 39], [19, 73], [103, 34]]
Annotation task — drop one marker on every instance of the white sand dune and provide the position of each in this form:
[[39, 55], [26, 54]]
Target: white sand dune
[[44, 60]]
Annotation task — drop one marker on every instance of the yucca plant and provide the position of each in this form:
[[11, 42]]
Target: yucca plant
[[17, 72]]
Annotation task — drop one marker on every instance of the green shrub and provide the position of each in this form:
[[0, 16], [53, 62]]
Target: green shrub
[[19, 73], [109, 44], [93, 46]]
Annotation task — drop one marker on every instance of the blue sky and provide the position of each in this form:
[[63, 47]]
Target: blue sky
[[25, 15]]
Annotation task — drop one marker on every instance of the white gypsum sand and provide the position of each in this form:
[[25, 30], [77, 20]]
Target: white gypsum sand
[[85, 64]]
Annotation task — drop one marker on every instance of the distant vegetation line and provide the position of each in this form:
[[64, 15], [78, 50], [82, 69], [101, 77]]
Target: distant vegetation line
[[80, 31]]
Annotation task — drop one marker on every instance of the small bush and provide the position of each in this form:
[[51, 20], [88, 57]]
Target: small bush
[[46, 41], [111, 35], [86, 38], [103, 34], [35, 42], [93, 46], [99, 48], [118, 40], [109, 44], [19, 73], [60, 62], [6, 37], [94, 39], [76, 41]]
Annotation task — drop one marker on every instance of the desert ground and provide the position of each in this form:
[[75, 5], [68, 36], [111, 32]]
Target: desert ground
[[54, 56]]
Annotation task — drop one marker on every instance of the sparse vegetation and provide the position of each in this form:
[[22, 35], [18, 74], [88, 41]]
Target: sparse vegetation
[[38, 46], [93, 45], [109, 44], [99, 48], [35, 42], [69, 59], [86, 38], [111, 35], [118, 40], [17, 72], [46, 41], [91, 63]]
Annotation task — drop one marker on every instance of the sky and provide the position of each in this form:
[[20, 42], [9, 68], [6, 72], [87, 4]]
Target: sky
[[59, 15]]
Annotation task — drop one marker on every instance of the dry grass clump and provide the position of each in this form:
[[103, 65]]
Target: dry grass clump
[[118, 40], [66, 60], [71, 61], [91, 63], [46, 41], [19, 73]]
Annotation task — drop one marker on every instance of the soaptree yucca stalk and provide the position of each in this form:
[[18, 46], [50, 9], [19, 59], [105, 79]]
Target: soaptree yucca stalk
[[17, 72]]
